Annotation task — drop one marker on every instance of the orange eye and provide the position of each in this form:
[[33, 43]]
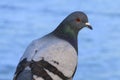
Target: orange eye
[[78, 20]]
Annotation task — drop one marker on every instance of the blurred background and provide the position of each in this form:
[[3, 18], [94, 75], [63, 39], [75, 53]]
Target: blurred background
[[22, 21]]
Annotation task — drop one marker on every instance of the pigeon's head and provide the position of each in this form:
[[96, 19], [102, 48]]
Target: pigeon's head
[[72, 24], [68, 29], [77, 20]]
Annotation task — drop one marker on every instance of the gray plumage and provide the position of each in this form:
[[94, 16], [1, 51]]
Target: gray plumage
[[25, 75], [54, 56]]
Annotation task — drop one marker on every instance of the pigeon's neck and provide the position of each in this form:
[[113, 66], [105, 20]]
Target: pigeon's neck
[[68, 34]]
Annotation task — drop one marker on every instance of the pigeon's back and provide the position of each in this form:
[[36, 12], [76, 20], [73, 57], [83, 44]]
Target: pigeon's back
[[47, 58]]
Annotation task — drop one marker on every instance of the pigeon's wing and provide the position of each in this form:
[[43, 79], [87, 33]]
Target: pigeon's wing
[[58, 58], [47, 59], [23, 72], [24, 75]]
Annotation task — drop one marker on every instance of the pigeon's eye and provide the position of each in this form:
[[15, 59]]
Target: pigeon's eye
[[78, 19]]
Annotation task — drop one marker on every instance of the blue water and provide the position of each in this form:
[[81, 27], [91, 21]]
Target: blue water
[[22, 21]]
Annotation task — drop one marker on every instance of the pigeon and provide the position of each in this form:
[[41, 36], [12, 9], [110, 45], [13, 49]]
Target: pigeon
[[55, 55]]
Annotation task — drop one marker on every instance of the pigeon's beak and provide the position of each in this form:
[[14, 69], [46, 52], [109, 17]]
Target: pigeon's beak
[[88, 25]]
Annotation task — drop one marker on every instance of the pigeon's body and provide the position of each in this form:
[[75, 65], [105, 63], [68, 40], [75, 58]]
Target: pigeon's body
[[52, 57], [51, 49]]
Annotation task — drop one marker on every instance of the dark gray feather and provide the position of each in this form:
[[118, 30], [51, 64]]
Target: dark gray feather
[[25, 75]]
